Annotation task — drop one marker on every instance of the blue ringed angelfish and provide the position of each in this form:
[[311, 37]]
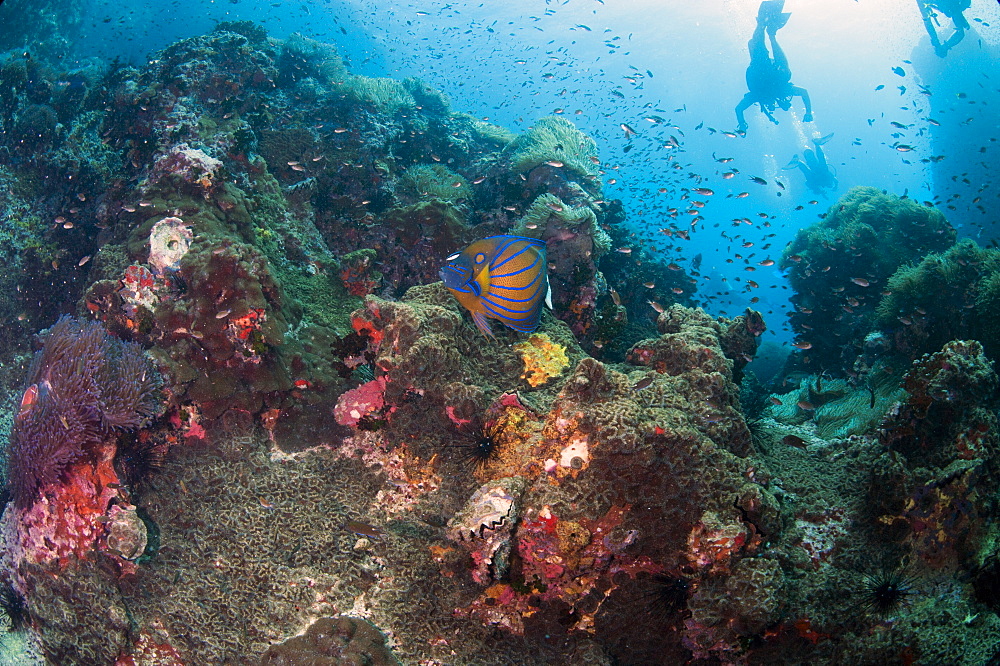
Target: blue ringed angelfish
[[500, 277]]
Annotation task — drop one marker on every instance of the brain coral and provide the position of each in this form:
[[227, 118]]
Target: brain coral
[[698, 374], [333, 641]]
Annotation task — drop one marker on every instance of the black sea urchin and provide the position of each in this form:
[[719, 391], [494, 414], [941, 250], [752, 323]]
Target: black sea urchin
[[12, 605], [986, 583], [885, 591], [759, 435], [138, 459], [482, 445], [666, 595]]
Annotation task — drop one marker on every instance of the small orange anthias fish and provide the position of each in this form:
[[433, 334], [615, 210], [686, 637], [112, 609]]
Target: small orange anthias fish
[[500, 277]]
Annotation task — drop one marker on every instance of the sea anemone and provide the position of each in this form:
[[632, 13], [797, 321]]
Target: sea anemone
[[885, 591], [84, 387]]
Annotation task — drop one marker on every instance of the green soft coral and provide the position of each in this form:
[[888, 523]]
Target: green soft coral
[[549, 211], [554, 139]]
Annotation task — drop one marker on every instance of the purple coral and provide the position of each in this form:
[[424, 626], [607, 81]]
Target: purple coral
[[83, 386]]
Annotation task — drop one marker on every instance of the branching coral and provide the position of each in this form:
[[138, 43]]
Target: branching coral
[[83, 385]]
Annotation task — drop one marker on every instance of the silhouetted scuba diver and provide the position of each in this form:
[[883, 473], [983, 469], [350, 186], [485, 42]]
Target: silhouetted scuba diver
[[768, 76], [952, 9], [819, 175]]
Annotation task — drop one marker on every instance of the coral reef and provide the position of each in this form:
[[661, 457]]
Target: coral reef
[[344, 470]]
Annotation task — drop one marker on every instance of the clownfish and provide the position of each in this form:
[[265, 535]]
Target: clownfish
[[500, 277]]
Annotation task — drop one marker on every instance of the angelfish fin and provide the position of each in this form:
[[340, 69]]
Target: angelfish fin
[[548, 297], [482, 324]]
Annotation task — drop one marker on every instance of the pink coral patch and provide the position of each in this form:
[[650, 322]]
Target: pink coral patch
[[357, 403], [65, 522]]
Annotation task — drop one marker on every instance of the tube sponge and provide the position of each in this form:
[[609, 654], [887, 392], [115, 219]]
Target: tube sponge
[[83, 385]]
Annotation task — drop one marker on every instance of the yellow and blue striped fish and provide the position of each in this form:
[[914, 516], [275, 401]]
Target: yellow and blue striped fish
[[500, 277]]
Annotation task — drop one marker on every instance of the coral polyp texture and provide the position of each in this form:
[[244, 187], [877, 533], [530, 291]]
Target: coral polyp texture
[[271, 435]]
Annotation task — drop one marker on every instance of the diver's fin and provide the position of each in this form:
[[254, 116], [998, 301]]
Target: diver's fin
[[823, 139], [793, 164], [767, 10], [770, 15], [778, 21]]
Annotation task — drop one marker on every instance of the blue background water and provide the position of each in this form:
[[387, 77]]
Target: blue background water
[[605, 64]]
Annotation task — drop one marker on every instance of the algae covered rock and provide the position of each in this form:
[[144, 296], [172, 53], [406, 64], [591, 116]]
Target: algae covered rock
[[839, 266], [945, 296], [947, 414], [333, 641]]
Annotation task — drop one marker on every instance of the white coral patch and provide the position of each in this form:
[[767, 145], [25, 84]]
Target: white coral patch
[[576, 455], [169, 241]]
